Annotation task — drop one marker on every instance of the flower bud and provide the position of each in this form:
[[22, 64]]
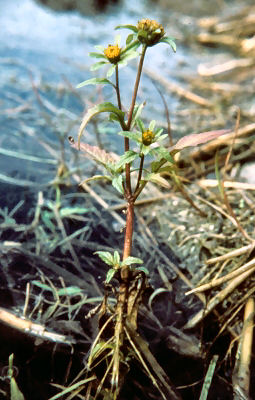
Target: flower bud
[[112, 52], [147, 137], [150, 32]]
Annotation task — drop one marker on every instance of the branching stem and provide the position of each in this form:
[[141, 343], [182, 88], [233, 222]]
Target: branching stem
[[139, 173], [130, 115]]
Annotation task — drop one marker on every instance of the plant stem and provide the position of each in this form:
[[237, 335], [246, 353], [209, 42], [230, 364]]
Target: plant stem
[[138, 77], [139, 173], [117, 87], [129, 229], [139, 189], [126, 140]]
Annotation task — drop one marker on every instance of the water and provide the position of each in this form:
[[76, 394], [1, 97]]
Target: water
[[44, 55]]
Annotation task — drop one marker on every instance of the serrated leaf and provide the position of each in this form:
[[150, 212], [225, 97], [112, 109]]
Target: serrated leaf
[[131, 260], [155, 165], [158, 132], [152, 125], [136, 136], [95, 81], [97, 55], [98, 65], [127, 158], [131, 27], [105, 257], [116, 258], [170, 41], [162, 137], [117, 183], [197, 138], [110, 274], [159, 180], [95, 153], [140, 124], [99, 108], [163, 153]]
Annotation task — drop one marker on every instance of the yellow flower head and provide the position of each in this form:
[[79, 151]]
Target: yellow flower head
[[149, 31], [112, 52], [147, 137]]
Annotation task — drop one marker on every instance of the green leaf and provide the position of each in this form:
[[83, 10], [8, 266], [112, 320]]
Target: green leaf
[[170, 41], [155, 165], [110, 274], [140, 124], [98, 65], [132, 46], [98, 177], [117, 183], [163, 153], [143, 269], [99, 48], [16, 394], [111, 70], [128, 56], [105, 257], [95, 81], [129, 39], [156, 178], [99, 108], [72, 388], [42, 285], [46, 217], [167, 168], [131, 260], [136, 136], [146, 150], [131, 27], [116, 258], [66, 211], [136, 113], [158, 131], [69, 291], [160, 138], [127, 158], [152, 125], [117, 39], [97, 55]]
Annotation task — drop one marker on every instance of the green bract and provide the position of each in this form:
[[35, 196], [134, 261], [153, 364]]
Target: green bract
[[149, 32], [114, 55]]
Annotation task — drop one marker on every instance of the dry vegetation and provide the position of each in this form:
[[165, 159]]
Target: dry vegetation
[[202, 266]]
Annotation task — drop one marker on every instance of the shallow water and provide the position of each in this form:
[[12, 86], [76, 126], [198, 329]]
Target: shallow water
[[44, 55]]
